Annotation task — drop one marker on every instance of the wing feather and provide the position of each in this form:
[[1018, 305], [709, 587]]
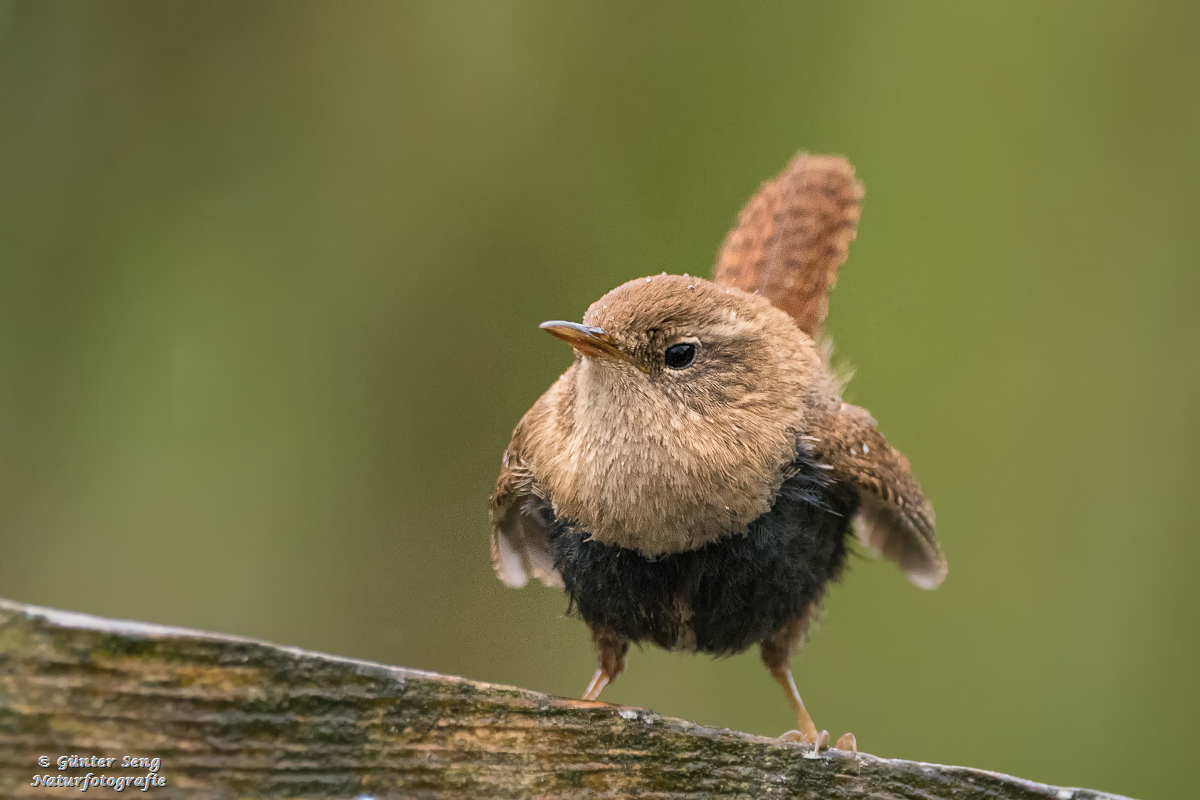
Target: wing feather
[[894, 519], [518, 511]]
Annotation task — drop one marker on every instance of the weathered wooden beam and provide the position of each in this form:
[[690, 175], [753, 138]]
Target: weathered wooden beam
[[237, 718]]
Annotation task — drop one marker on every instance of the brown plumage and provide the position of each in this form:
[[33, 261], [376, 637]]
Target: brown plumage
[[690, 478], [793, 235]]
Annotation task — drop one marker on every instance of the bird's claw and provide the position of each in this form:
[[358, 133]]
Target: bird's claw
[[819, 741], [847, 742]]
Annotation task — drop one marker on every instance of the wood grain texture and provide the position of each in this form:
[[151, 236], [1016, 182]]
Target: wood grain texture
[[792, 236], [238, 718]]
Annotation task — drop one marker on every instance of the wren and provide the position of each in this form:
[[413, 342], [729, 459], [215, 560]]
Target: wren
[[694, 477]]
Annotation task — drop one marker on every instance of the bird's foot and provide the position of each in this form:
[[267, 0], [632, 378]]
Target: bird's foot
[[818, 741], [847, 742]]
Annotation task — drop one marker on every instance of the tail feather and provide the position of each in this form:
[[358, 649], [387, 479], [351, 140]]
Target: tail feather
[[792, 236]]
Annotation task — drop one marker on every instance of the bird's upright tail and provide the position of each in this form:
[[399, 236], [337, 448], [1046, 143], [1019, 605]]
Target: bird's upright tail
[[792, 236]]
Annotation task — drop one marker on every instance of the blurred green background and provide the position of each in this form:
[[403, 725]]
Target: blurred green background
[[270, 276]]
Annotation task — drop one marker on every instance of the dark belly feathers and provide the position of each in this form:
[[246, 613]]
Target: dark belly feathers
[[727, 595]]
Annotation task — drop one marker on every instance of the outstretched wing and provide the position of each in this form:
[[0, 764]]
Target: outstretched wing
[[788, 243], [519, 520], [894, 518], [793, 235]]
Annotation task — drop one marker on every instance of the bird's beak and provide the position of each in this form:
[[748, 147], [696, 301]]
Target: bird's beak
[[589, 341]]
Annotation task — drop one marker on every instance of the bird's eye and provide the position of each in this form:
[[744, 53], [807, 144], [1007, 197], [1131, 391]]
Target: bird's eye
[[679, 356]]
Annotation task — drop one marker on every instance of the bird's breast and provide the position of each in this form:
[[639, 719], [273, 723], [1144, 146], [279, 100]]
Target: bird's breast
[[726, 595], [643, 472]]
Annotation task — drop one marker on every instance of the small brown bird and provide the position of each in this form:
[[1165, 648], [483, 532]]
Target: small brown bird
[[692, 479]]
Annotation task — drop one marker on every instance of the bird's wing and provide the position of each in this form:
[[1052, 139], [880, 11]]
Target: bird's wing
[[894, 518], [792, 236], [519, 519]]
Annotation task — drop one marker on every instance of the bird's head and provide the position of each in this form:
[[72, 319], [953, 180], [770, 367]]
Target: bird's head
[[680, 413]]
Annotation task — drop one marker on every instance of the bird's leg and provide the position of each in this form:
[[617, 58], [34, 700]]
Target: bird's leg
[[610, 652], [806, 731], [776, 655]]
